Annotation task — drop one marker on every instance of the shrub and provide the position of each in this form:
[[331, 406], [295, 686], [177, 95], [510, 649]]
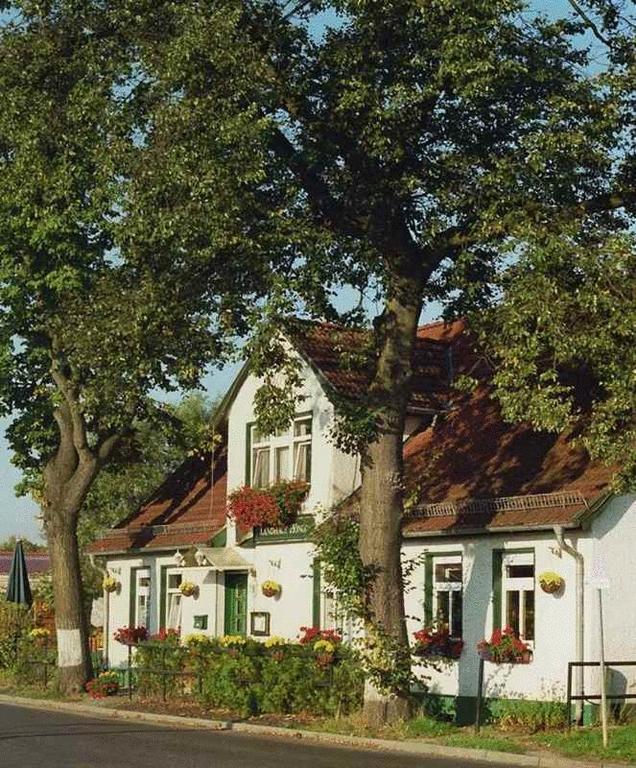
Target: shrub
[[246, 676], [528, 715]]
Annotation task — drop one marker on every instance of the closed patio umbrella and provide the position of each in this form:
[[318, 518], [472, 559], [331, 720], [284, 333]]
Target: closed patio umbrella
[[18, 588]]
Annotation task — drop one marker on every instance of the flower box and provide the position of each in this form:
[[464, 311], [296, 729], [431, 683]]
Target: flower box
[[432, 642], [504, 647], [131, 635], [274, 507]]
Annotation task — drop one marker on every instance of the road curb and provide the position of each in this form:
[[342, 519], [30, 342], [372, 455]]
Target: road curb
[[421, 748], [94, 710]]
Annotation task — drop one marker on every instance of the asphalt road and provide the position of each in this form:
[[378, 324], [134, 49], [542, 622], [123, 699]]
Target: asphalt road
[[31, 738]]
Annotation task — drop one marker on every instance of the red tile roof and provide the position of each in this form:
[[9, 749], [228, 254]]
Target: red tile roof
[[337, 355], [187, 509], [37, 562], [472, 454]]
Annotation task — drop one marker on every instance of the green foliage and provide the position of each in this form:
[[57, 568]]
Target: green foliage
[[252, 678], [347, 580], [564, 341], [8, 545], [528, 715]]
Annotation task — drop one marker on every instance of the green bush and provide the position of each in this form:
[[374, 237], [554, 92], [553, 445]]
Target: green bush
[[530, 715], [245, 676]]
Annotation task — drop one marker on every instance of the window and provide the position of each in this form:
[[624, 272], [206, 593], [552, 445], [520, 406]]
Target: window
[[283, 456], [142, 597], [518, 593], [173, 601], [447, 592]]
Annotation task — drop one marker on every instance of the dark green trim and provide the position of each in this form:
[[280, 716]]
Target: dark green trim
[[133, 595], [497, 576], [301, 530], [220, 540], [163, 592], [497, 559], [428, 589], [316, 592], [248, 452], [429, 560]]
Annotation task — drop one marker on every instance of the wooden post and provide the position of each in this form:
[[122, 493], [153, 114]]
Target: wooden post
[[603, 675], [480, 686]]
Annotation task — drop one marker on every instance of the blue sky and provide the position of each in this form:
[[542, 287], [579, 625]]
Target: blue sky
[[19, 515]]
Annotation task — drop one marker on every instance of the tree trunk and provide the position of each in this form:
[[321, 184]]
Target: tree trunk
[[73, 654], [381, 501]]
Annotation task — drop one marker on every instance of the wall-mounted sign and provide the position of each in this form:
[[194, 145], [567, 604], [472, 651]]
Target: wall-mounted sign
[[259, 623], [301, 530]]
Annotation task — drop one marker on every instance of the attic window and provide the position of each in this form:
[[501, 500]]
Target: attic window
[[283, 456]]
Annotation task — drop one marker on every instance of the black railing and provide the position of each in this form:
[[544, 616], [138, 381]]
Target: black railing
[[590, 697]]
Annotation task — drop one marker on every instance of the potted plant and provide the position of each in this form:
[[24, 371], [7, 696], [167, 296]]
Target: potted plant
[[188, 588], [131, 635], [271, 588], [505, 647], [550, 582], [437, 642], [105, 684], [325, 652], [110, 583]]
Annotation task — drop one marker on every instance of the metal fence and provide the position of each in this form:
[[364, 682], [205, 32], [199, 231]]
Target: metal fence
[[593, 697]]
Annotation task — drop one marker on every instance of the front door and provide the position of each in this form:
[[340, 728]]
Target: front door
[[235, 604]]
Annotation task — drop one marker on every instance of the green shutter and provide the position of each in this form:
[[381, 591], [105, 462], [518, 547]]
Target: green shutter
[[428, 589], [163, 591], [497, 561], [316, 593], [133, 596], [248, 453]]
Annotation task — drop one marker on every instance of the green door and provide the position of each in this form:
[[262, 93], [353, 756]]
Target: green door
[[235, 604]]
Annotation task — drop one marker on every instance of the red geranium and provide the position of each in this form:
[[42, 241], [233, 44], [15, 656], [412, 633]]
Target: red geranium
[[431, 641], [253, 508], [313, 634], [131, 635], [505, 646], [164, 635]]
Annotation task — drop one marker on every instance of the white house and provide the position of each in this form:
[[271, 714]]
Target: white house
[[496, 505]]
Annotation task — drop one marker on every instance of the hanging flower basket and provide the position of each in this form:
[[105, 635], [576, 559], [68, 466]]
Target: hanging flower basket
[[325, 652], [110, 584], [131, 635], [550, 582], [188, 588], [432, 642], [505, 647], [271, 588]]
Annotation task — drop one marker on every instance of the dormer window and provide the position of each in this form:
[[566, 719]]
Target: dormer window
[[283, 456]]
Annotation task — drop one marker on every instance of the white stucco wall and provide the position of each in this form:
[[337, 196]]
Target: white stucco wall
[[334, 474], [613, 550], [545, 677]]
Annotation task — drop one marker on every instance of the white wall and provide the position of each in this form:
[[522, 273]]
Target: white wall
[[613, 548], [545, 677]]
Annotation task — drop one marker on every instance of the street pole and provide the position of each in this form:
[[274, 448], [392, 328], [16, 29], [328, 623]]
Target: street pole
[[603, 677]]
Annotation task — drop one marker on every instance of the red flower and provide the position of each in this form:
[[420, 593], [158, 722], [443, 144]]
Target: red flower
[[131, 635], [253, 508], [313, 634]]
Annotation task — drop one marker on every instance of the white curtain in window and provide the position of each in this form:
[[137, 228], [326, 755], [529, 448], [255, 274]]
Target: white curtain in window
[[260, 476], [302, 461], [174, 611]]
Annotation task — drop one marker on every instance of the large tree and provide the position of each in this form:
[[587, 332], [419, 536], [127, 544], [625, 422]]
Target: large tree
[[94, 315], [408, 148]]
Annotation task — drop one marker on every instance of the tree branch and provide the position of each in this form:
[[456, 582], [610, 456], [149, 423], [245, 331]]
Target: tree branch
[[69, 392], [590, 23]]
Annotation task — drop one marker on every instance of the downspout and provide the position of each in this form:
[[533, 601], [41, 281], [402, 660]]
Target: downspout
[[580, 605], [106, 597]]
